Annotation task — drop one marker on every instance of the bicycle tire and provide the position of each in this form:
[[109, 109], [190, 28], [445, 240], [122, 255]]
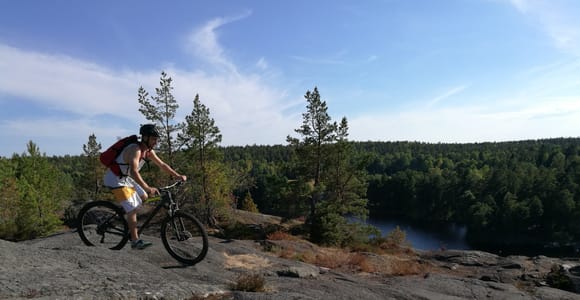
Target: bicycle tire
[[185, 238], [102, 224]]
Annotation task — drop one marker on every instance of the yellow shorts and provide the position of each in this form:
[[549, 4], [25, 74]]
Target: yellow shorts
[[128, 197]]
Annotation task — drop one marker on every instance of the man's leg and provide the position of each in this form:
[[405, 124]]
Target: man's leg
[[136, 242], [132, 222]]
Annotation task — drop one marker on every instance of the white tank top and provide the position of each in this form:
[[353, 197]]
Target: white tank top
[[112, 180]]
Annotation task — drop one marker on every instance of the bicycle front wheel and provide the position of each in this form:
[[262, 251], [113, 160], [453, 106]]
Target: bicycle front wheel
[[184, 238], [102, 224]]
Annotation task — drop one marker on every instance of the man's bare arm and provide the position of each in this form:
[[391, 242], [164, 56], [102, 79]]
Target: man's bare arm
[[165, 167]]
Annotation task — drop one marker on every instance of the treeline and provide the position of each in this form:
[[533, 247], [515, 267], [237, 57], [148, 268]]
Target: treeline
[[506, 193], [34, 195]]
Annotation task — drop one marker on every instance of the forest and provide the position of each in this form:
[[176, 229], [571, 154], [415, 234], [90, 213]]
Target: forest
[[520, 193], [507, 193]]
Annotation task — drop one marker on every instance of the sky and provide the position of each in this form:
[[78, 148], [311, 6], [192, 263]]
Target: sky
[[447, 71]]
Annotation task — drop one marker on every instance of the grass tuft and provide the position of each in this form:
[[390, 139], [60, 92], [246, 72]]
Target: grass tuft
[[281, 235], [250, 283]]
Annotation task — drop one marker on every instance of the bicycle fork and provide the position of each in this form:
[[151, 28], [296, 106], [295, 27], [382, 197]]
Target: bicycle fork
[[179, 229]]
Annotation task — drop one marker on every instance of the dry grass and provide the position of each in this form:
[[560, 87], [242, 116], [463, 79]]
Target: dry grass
[[222, 296], [250, 283], [290, 253], [402, 267], [390, 255], [362, 262], [398, 262], [246, 261], [331, 258], [281, 235]]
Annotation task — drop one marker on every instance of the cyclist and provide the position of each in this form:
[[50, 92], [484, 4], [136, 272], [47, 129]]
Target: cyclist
[[129, 189]]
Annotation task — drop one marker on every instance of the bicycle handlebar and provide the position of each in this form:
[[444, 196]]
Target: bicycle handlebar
[[177, 183], [163, 189]]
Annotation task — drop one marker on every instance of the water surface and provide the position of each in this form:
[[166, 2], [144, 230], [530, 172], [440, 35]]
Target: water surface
[[425, 236]]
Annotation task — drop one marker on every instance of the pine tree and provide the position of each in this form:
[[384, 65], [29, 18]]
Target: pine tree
[[248, 203], [200, 138], [345, 190], [43, 191], [94, 170], [9, 201], [317, 132], [325, 158], [161, 109]]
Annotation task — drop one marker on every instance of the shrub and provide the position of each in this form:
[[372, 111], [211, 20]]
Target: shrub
[[397, 237], [280, 235], [243, 232], [557, 278], [248, 204], [361, 262], [394, 241], [250, 283]]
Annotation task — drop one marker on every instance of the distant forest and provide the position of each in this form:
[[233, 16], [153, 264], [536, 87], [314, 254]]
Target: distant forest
[[505, 192], [524, 192]]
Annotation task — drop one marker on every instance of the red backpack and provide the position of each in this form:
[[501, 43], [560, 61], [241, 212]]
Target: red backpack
[[109, 157]]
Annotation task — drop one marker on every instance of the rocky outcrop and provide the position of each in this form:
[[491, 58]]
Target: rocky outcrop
[[527, 273], [60, 267]]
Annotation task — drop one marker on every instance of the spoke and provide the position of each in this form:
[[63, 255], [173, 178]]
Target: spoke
[[116, 232]]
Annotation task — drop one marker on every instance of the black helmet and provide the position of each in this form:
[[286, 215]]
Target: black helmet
[[149, 130]]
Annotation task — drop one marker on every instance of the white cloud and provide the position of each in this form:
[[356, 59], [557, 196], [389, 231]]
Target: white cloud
[[532, 120], [262, 64], [56, 136], [446, 94], [558, 18], [559, 75], [65, 83], [246, 108], [521, 5], [337, 58], [372, 58], [318, 61], [203, 42]]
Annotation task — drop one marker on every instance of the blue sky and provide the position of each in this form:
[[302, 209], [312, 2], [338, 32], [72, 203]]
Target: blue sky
[[453, 71]]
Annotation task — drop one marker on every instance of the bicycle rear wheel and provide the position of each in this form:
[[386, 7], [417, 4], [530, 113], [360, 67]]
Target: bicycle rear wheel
[[184, 238], [102, 224]]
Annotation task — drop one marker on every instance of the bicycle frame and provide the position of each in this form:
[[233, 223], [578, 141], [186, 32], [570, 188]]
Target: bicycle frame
[[165, 202], [171, 206]]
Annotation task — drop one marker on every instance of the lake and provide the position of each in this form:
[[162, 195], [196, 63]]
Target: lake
[[425, 236], [451, 236]]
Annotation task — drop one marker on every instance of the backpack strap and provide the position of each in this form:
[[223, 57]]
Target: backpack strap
[[145, 151], [144, 156]]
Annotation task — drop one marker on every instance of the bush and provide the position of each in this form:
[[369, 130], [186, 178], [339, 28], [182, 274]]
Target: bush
[[248, 204], [250, 283], [395, 239], [558, 279], [280, 235], [326, 229]]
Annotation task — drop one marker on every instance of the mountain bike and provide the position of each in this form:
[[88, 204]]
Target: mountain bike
[[103, 224]]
